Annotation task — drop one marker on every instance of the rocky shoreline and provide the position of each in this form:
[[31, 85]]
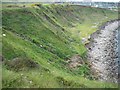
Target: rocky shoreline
[[103, 52]]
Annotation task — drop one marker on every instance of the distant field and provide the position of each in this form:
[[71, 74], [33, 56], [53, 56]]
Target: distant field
[[38, 41]]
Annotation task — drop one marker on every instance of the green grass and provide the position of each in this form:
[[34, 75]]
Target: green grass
[[50, 35], [42, 79]]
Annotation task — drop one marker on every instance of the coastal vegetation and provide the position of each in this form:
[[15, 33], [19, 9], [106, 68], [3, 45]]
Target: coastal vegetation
[[40, 43]]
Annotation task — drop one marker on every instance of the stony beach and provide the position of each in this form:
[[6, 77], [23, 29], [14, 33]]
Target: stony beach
[[103, 52]]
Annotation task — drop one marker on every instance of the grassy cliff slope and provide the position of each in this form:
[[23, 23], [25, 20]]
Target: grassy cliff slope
[[39, 40]]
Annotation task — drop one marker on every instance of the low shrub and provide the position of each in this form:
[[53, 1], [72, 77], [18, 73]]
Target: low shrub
[[19, 64]]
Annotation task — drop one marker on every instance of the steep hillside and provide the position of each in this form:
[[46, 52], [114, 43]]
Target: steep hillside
[[39, 42]]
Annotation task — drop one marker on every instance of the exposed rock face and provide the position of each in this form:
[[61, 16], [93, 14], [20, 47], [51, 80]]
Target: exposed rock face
[[103, 53], [75, 61]]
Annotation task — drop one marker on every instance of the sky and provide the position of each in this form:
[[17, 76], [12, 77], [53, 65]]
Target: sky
[[62, 0]]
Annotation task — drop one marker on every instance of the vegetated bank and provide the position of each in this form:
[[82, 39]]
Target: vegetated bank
[[46, 43]]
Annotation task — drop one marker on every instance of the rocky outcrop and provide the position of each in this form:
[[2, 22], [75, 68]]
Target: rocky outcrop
[[75, 61], [103, 53]]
